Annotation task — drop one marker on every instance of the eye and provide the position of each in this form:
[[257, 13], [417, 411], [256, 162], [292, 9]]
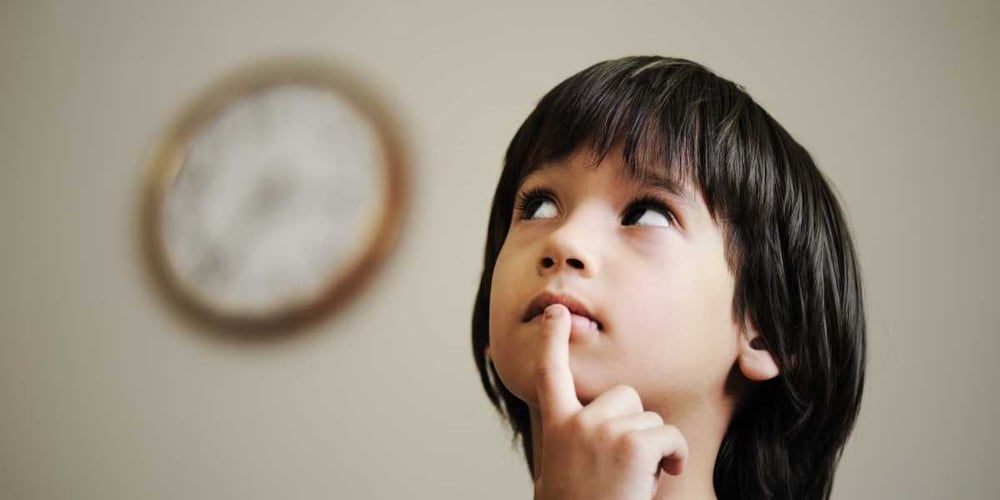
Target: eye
[[536, 201], [648, 211]]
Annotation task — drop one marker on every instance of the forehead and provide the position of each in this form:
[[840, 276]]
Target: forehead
[[672, 181]]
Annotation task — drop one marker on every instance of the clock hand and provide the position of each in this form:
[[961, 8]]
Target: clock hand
[[268, 194]]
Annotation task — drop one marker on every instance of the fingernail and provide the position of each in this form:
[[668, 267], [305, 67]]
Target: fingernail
[[551, 311]]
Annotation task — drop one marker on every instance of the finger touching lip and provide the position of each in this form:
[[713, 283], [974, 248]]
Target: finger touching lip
[[547, 298], [581, 327]]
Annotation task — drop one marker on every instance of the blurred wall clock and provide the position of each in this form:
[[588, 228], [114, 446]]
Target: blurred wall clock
[[273, 196]]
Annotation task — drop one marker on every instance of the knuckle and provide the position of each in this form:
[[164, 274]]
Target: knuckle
[[625, 390], [577, 424], [629, 447], [544, 373], [655, 417], [673, 431], [606, 432], [630, 396], [547, 334], [632, 392]]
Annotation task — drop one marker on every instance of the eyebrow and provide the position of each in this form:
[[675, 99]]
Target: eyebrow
[[654, 180], [685, 196]]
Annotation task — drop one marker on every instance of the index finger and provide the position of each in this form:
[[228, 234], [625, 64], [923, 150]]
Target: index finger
[[553, 379]]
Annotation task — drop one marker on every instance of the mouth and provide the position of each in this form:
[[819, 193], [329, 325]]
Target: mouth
[[545, 299]]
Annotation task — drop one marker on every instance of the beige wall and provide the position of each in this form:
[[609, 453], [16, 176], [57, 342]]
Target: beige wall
[[104, 394]]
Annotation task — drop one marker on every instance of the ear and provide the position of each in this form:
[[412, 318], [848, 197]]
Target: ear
[[755, 360]]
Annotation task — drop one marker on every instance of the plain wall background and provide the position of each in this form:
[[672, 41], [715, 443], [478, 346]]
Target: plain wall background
[[106, 394]]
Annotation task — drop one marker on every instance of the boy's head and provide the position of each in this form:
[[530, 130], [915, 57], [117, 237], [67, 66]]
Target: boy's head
[[708, 248], [648, 266]]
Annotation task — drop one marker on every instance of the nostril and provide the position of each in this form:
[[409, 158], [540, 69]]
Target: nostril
[[547, 262], [575, 263]]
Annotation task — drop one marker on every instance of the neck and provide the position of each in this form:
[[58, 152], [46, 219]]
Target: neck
[[703, 429]]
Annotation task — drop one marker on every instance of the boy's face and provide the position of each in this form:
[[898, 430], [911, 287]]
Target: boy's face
[[657, 283]]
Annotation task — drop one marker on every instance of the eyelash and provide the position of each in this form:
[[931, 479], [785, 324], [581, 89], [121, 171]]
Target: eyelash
[[526, 198]]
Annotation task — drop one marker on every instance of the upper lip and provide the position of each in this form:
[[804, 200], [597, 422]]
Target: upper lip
[[545, 299]]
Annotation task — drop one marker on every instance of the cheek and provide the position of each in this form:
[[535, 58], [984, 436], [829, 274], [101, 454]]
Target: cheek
[[512, 354], [515, 369], [654, 307], [510, 350], [500, 294], [677, 326]]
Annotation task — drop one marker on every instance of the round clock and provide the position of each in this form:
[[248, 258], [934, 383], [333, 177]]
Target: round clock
[[273, 196]]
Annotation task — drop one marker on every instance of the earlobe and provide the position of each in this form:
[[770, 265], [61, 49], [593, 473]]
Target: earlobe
[[756, 362]]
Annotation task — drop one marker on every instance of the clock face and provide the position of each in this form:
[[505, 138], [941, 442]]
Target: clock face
[[270, 198], [268, 202]]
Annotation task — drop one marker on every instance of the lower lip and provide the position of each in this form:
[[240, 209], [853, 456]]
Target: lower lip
[[581, 327]]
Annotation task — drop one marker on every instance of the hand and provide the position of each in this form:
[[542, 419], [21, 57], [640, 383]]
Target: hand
[[609, 450]]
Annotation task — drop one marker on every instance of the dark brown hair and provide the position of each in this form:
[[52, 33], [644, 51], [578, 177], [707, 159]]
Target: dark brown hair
[[787, 244]]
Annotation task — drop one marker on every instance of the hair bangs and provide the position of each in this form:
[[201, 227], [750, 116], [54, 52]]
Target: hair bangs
[[643, 116]]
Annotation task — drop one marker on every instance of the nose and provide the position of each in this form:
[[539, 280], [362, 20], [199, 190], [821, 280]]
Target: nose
[[569, 248]]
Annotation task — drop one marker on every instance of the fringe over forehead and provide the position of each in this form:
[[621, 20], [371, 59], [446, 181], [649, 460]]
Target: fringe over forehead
[[668, 116]]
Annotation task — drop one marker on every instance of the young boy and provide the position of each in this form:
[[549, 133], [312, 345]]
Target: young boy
[[669, 284]]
